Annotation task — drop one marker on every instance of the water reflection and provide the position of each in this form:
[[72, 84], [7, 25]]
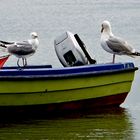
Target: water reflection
[[107, 124]]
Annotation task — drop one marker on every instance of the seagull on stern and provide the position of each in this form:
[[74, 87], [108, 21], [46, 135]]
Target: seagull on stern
[[22, 50], [113, 44]]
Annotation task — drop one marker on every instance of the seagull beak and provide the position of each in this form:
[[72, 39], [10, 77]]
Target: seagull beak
[[102, 29], [35, 36]]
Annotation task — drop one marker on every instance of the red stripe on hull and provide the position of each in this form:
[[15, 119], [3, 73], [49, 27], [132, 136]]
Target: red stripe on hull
[[113, 100], [95, 104]]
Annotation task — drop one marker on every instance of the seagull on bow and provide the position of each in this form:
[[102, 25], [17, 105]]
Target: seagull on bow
[[22, 50], [113, 44]]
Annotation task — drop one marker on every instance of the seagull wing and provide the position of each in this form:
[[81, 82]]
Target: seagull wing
[[21, 49], [119, 46], [24, 43]]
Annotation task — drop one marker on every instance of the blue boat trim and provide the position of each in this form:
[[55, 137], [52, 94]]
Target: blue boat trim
[[63, 76], [41, 72]]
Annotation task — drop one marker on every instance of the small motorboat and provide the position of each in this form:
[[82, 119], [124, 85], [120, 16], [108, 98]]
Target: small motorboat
[[79, 87]]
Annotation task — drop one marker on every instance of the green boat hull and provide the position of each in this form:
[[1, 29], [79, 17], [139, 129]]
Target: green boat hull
[[106, 89]]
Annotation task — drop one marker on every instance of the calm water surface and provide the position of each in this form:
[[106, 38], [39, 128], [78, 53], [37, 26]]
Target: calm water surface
[[50, 18]]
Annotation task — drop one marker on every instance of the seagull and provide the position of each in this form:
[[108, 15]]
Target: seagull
[[22, 50], [113, 44]]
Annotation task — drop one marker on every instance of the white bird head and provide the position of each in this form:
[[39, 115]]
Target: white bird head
[[34, 40], [106, 27], [34, 35]]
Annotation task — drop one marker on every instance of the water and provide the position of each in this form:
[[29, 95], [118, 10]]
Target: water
[[50, 18], [108, 124]]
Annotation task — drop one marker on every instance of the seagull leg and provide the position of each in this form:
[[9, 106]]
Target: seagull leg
[[25, 61], [113, 58], [18, 62]]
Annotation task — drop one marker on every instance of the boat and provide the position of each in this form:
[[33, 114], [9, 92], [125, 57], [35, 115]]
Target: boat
[[80, 85], [68, 88]]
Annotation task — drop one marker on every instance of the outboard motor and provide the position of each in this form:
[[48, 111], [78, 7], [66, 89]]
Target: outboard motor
[[69, 51]]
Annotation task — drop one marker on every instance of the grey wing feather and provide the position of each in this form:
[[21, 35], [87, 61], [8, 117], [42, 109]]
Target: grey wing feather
[[118, 45], [21, 49], [23, 43]]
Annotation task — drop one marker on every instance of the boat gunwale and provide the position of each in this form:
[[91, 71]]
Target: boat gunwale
[[68, 76]]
